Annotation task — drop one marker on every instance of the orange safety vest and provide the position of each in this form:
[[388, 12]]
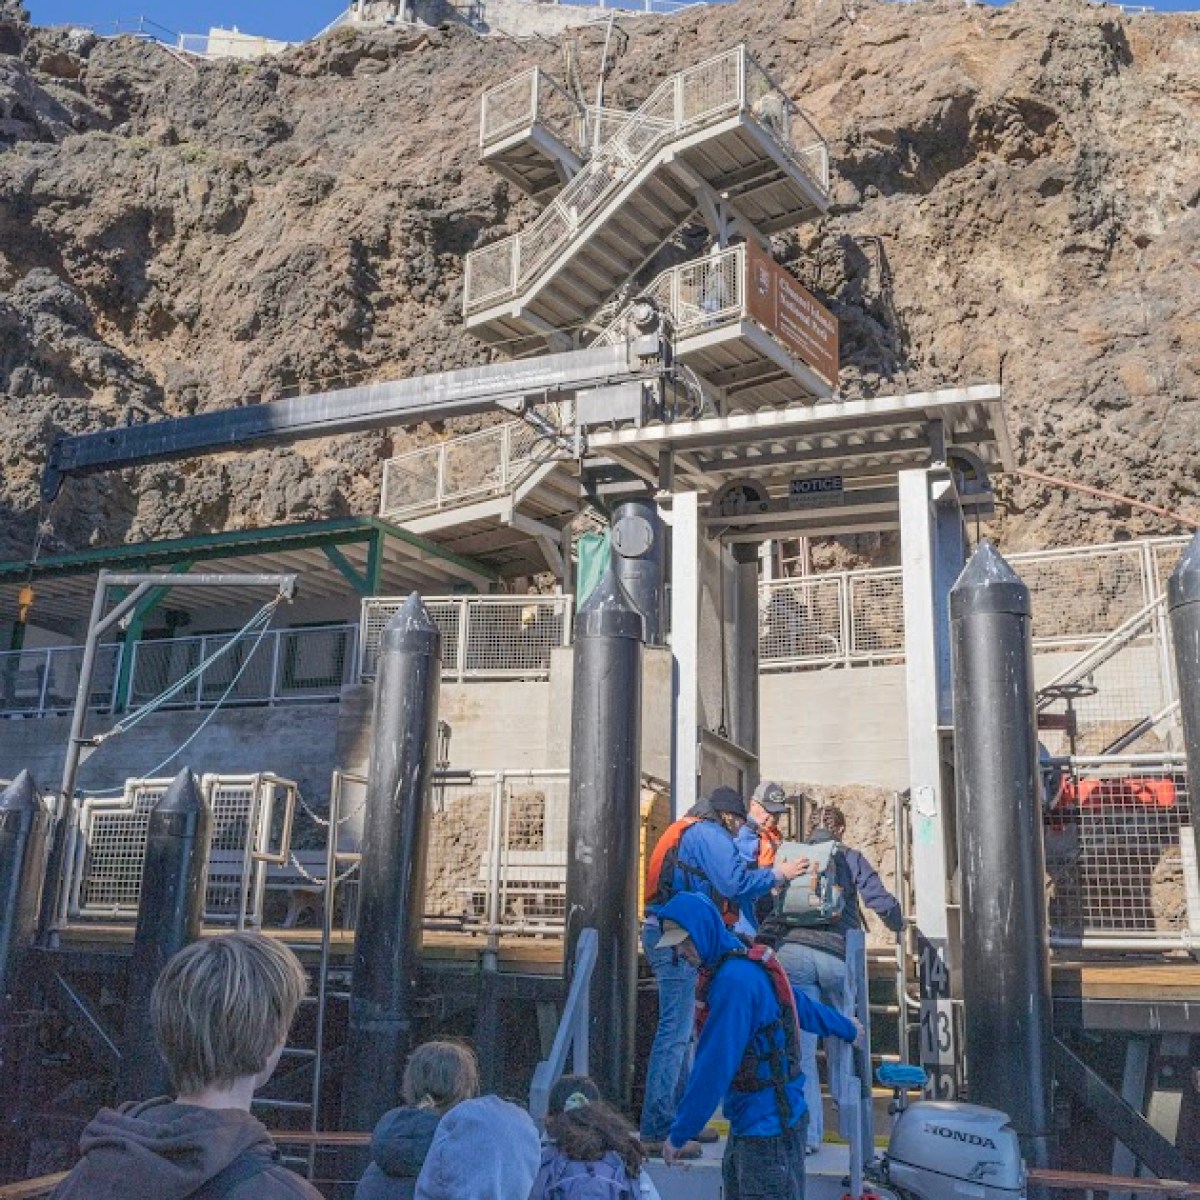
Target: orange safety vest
[[664, 862], [769, 841]]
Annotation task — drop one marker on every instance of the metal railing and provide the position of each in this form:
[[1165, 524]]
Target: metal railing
[[40, 683], [685, 102], [483, 637], [288, 665], [1120, 853], [532, 97], [572, 1035], [697, 296], [497, 862], [493, 462], [250, 830]]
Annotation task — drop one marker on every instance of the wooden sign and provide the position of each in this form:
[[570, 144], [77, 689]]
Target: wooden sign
[[800, 321]]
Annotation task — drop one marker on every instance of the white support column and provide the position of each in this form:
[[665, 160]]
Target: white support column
[[933, 553], [685, 649]]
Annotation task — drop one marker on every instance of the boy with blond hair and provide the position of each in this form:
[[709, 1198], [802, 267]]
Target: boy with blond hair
[[221, 1011]]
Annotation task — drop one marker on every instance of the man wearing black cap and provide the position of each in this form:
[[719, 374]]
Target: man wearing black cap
[[698, 854]]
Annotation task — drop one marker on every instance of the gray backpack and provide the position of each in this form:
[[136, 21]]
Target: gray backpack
[[816, 898]]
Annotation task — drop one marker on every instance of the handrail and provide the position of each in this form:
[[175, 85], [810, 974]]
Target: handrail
[[572, 1029]]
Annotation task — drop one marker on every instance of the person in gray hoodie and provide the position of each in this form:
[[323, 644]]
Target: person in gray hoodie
[[221, 1010], [485, 1149], [438, 1076]]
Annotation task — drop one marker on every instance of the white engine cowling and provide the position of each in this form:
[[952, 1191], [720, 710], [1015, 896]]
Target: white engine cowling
[[942, 1150]]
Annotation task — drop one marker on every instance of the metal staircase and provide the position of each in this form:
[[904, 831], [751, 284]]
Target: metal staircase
[[720, 132]]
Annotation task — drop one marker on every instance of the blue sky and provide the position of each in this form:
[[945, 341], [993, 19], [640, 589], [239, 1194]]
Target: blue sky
[[292, 20]]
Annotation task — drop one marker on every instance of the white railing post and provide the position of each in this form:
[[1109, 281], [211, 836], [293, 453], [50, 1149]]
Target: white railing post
[[43, 690], [846, 609], [514, 268], [200, 676], [505, 455], [460, 663], [535, 93], [277, 635], [439, 487]]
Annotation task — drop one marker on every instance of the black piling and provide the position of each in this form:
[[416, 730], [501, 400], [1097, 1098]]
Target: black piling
[[639, 558], [24, 826], [392, 876], [170, 914], [1005, 952], [603, 829], [1183, 604]]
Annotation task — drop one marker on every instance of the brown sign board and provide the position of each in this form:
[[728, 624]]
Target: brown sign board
[[801, 322]]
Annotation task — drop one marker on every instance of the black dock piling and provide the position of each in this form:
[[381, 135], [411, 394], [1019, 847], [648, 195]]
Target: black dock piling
[[639, 558], [387, 948], [604, 822], [24, 826], [1183, 604], [170, 914], [1005, 952]]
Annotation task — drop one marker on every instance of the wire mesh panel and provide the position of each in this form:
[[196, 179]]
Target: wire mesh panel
[[410, 482], [802, 619], [36, 682], [460, 829], [113, 848], [1078, 597], [533, 857], [1165, 554], [242, 673], [508, 106], [1114, 854], [160, 663], [711, 88], [447, 615], [313, 663], [514, 636], [236, 818], [877, 614]]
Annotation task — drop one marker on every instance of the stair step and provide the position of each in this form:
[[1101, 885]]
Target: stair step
[[283, 1105]]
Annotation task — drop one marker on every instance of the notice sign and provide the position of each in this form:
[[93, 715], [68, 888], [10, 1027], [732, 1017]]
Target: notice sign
[[778, 303], [821, 491]]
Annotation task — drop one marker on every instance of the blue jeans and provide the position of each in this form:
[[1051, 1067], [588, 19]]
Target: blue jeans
[[667, 1071], [821, 977], [766, 1168]]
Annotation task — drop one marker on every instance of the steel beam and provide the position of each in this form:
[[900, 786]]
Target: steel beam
[[438, 397], [932, 554], [686, 549]]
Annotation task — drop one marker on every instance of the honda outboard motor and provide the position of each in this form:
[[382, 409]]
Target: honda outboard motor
[[943, 1150]]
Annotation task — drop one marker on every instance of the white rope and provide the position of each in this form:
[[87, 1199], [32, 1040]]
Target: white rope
[[261, 618], [153, 772]]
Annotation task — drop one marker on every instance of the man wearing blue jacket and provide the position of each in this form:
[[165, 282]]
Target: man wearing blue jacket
[[744, 1039], [815, 957], [696, 855]]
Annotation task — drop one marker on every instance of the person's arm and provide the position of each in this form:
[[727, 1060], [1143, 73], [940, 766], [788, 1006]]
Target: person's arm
[[723, 1041], [748, 839], [823, 1020], [872, 892], [717, 855]]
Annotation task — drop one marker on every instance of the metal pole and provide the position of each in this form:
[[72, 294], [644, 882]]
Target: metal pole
[[170, 913], [387, 946], [1006, 957], [1183, 605], [639, 559], [741, 650], [24, 826], [604, 822]]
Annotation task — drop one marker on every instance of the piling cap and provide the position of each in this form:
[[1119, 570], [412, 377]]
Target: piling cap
[[412, 630], [1184, 585], [988, 585], [183, 796], [608, 612], [22, 795]]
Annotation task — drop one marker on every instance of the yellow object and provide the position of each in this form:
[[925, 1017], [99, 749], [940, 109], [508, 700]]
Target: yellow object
[[25, 598]]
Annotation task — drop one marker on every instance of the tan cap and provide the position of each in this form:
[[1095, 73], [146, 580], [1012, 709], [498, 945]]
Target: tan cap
[[673, 935]]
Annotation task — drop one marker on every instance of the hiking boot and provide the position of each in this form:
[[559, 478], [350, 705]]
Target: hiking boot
[[689, 1150], [708, 1135]]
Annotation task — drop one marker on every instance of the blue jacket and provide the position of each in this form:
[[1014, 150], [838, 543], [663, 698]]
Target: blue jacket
[[399, 1147], [709, 847], [741, 1002]]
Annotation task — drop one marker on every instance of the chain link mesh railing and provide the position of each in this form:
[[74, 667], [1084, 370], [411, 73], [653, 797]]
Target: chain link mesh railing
[[532, 97], [249, 814], [482, 636], [1120, 853], [687, 101], [42, 682], [498, 852]]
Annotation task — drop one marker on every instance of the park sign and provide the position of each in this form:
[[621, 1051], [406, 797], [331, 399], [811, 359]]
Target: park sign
[[801, 322]]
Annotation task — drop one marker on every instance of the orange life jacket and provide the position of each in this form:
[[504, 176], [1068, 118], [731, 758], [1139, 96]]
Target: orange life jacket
[[665, 861], [769, 841]]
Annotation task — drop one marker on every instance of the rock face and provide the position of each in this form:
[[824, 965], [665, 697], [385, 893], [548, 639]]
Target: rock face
[[1017, 195]]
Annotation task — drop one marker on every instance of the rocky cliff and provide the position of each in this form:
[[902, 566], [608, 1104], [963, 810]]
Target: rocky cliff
[[1017, 196]]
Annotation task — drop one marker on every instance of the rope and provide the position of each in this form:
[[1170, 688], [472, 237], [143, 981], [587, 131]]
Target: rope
[[153, 772], [259, 621], [1116, 497]]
